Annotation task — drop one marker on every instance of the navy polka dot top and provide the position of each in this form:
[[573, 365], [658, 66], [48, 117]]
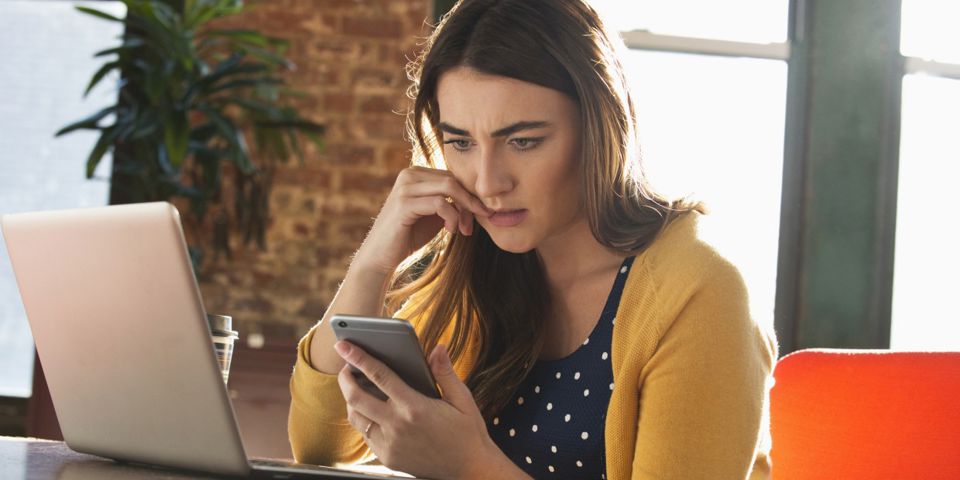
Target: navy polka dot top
[[553, 425]]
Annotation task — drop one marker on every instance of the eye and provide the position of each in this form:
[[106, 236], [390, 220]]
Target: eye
[[459, 144], [524, 144]]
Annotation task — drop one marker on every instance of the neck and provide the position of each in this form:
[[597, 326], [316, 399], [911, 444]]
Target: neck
[[574, 254]]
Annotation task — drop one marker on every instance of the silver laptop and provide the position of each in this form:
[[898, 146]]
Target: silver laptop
[[121, 332]]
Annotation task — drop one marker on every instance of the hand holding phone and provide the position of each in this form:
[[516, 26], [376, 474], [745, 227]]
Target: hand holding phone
[[393, 342]]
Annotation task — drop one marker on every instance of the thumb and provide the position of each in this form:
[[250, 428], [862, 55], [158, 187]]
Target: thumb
[[454, 390]]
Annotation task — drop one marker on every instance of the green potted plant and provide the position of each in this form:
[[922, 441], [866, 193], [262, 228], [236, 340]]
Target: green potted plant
[[190, 95]]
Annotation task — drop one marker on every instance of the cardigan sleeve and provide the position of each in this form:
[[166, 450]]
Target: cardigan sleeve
[[317, 426], [704, 389]]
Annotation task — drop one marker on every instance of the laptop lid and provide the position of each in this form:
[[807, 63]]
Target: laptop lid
[[121, 333]]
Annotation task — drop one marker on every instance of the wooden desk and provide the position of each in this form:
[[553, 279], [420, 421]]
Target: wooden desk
[[32, 459]]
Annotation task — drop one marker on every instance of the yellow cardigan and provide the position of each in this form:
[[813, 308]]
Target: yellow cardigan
[[692, 372]]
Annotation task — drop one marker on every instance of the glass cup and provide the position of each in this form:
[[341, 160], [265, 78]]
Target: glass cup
[[221, 328]]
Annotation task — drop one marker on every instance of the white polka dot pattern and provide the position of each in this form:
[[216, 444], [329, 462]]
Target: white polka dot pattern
[[537, 429]]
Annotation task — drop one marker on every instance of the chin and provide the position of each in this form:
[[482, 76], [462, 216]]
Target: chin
[[512, 242]]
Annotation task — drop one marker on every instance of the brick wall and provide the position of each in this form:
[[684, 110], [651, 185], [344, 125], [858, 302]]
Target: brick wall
[[350, 57]]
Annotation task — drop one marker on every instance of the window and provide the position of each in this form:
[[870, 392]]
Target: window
[[926, 258], [710, 89], [47, 50]]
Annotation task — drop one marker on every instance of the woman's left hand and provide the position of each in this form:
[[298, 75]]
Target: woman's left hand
[[413, 433]]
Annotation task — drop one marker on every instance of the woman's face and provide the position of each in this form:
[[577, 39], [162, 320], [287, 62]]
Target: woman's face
[[516, 146]]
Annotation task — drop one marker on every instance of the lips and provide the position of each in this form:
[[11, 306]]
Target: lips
[[508, 217]]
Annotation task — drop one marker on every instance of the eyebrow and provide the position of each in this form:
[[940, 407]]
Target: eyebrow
[[503, 132]]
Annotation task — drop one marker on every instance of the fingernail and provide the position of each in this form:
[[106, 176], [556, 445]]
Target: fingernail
[[343, 348]]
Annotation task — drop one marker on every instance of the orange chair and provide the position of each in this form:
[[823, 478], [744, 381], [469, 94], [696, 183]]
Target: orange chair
[[866, 414]]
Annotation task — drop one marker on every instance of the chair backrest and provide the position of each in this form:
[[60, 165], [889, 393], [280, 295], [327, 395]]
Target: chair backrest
[[866, 414]]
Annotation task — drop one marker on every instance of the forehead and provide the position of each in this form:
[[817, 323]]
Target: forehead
[[473, 100]]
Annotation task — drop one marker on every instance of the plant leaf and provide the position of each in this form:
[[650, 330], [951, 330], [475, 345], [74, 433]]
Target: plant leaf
[[239, 153], [247, 82], [175, 137], [248, 37], [102, 72], [295, 145], [89, 123], [103, 144], [98, 13], [128, 44]]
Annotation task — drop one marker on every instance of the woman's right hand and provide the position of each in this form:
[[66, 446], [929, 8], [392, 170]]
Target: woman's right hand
[[417, 207]]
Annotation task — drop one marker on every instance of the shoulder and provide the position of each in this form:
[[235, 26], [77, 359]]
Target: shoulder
[[683, 255], [682, 265]]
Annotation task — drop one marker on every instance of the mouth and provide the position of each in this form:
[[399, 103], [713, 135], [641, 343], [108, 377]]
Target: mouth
[[508, 217]]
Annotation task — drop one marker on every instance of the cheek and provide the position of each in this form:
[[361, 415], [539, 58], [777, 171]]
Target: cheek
[[463, 175]]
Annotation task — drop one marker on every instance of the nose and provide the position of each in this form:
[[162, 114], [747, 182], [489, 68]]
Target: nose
[[493, 179]]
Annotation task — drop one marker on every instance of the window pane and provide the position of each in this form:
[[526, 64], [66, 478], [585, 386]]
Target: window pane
[[928, 29], [754, 21], [713, 127], [47, 52], [927, 259]]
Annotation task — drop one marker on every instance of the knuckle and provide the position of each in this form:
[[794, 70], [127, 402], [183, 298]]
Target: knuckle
[[449, 183], [408, 416], [379, 377], [416, 415], [351, 397]]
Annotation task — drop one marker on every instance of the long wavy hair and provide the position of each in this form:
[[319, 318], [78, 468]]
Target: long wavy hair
[[498, 301]]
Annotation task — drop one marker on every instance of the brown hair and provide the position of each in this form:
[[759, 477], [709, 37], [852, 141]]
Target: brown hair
[[498, 300]]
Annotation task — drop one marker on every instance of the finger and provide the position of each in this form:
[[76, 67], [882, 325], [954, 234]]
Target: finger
[[358, 420], [466, 222], [359, 400], [462, 220], [454, 390], [449, 186], [378, 373], [426, 206]]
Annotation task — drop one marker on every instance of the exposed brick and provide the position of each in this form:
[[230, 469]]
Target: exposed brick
[[383, 127], [396, 158], [339, 102], [310, 176], [354, 230], [313, 308], [372, 27], [367, 182], [377, 77], [333, 49], [378, 104], [349, 154], [350, 57]]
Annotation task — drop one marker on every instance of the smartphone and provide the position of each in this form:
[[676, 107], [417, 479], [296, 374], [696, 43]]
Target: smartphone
[[394, 342]]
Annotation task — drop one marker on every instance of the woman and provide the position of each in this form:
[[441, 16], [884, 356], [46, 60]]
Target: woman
[[591, 333]]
